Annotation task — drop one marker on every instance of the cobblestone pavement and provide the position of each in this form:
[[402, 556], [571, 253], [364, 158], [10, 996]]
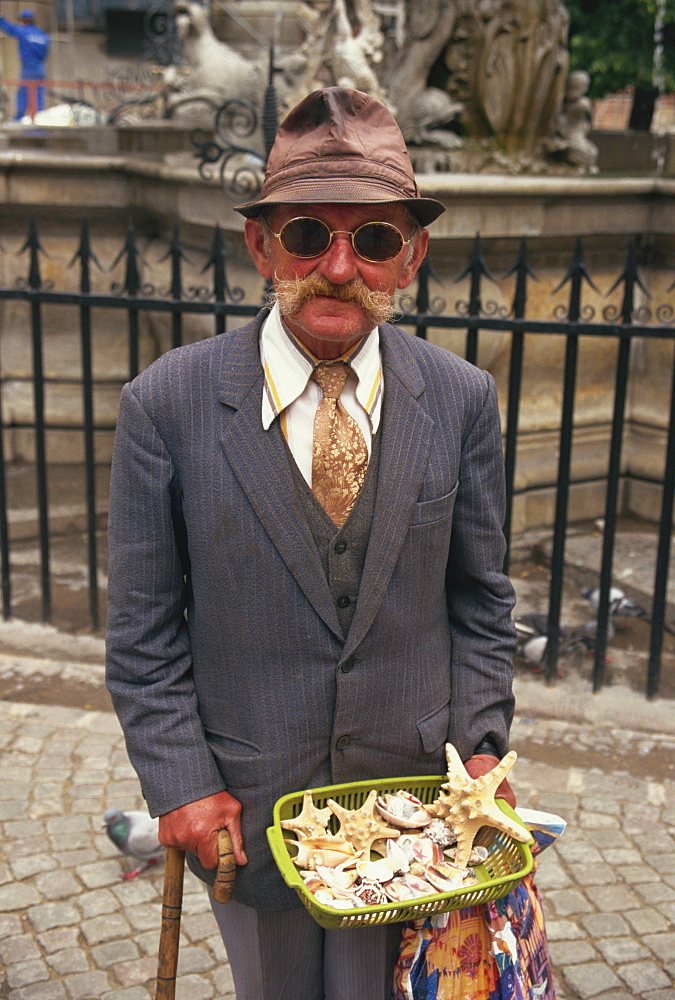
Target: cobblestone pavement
[[72, 929]]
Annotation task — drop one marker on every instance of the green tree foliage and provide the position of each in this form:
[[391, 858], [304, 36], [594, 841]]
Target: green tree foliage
[[613, 40]]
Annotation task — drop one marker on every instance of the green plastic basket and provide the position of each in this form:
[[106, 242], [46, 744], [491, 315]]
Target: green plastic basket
[[507, 863]]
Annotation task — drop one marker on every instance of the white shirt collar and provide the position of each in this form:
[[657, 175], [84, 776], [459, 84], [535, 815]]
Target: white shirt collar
[[288, 365]]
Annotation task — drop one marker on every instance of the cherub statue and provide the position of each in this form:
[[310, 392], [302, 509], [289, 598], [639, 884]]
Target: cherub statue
[[356, 51], [571, 142]]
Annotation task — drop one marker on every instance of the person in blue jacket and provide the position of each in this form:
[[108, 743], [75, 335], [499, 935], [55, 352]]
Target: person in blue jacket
[[33, 50]]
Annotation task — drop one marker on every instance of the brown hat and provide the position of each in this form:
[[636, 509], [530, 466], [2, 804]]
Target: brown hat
[[341, 145]]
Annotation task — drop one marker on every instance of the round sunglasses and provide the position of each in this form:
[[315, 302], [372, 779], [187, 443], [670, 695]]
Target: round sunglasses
[[307, 237]]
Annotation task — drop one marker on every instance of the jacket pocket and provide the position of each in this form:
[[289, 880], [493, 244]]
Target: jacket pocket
[[231, 745], [436, 509], [433, 728]]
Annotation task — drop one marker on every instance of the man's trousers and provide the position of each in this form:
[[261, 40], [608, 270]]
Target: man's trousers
[[286, 955]]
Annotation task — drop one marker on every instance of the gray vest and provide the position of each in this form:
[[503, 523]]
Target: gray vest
[[342, 552]]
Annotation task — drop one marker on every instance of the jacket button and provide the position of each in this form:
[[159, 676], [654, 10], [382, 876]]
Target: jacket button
[[340, 546], [343, 742], [348, 665], [343, 601]]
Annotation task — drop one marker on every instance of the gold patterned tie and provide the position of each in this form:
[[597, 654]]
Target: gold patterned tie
[[339, 454]]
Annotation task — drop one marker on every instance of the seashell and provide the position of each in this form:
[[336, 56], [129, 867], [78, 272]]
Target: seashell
[[370, 895], [478, 856], [328, 851], [441, 832], [336, 878], [397, 890], [446, 877], [362, 827], [397, 857], [419, 886], [375, 871], [311, 822], [403, 810], [326, 898], [426, 851]]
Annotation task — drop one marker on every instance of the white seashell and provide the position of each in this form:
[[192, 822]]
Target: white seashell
[[445, 877], [478, 855], [397, 857], [328, 851], [336, 878], [419, 886], [375, 871], [403, 810], [426, 851], [397, 890]]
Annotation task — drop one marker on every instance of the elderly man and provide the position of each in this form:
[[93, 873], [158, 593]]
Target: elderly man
[[306, 546]]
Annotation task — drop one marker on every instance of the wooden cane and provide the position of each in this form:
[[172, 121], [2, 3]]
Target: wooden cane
[[172, 904]]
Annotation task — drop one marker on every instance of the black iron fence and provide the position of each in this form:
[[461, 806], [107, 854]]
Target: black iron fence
[[623, 323]]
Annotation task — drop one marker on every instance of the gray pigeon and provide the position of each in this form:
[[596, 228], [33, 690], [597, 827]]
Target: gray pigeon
[[620, 606], [136, 834]]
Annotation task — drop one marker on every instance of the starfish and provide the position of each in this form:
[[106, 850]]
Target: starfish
[[469, 803], [311, 822], [362, 826]]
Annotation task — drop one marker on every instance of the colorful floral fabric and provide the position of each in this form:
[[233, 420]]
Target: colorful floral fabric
[[497, 951]]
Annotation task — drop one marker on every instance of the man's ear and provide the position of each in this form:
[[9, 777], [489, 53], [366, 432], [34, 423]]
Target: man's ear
[[255, 241], [412, 267]]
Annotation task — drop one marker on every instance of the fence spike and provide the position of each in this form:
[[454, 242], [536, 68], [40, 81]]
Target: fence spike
[[175, 252], [34, 246], [630, 277], [477, 268], [523, 271], [85, 255], [217, 262], [132, 279], [577, 271]]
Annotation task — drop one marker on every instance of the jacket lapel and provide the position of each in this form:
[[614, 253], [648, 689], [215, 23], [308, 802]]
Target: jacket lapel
[[259, 460], [406, 434]]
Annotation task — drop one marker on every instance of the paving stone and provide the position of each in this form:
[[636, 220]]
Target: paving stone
[[194, 988], [615, 950], [201, 925], [655, 892], [194, 960], [27, 973], [590, 979], [102, 873], [87, 985], [592, 874], [17, 896], [18, 949], [105, 928], [568, 901], [571, 952], [134, 993], [140, 970], [49, 915], [58, 939], [58, 885], [613, 898], [621, 857], [113, 953], [223, 981], [643, 976], [135, 891], [563, 930], [217, 948], [581, 852], [9, 925], [31, 864], [646, 921], [663, 945], [97, 902], [600, 925], [69, 960], [552, 877], [50, 990]]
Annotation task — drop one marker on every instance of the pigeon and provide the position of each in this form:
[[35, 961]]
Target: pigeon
[[533, 624], [136, 834], [586, 634], [534, 652], [620, 606]]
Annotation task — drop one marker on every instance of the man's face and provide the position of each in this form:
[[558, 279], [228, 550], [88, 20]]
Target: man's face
[[324, 323]]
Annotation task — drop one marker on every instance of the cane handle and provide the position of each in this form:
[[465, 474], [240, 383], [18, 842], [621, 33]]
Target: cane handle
[[227, 866]]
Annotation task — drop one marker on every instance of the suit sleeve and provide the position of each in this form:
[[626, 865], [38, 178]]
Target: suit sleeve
[[148, 658], [480, 596]]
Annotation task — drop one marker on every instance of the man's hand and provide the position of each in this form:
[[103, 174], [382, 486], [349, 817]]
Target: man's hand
[[194, 827], [480, 764]]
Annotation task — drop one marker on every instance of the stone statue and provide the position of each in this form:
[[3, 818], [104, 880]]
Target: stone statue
[[213, 72], [571, 142], [355, 51]]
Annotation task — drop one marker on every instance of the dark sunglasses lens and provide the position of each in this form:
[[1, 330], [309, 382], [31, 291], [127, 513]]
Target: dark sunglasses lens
[[305, 237], [378, 241]]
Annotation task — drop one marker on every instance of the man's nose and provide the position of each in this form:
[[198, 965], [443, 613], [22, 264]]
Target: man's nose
[[339, 263]]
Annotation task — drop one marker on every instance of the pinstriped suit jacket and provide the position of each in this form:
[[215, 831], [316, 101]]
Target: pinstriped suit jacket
[[223, 645]]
